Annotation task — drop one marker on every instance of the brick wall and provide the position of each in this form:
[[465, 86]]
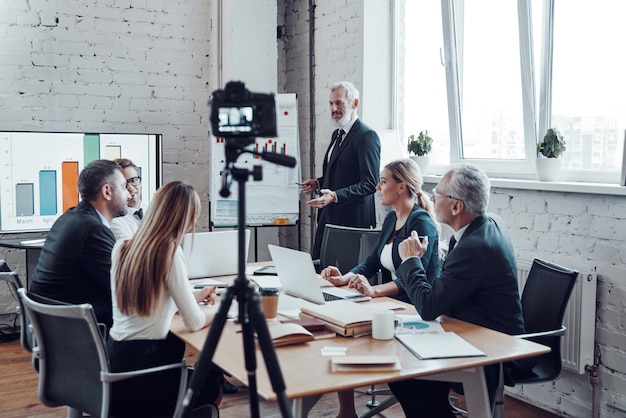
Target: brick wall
[[109, 66]]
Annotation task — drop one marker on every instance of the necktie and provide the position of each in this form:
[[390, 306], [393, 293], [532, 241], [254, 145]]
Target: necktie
[[451, 244], [138, 214], [336, 142]]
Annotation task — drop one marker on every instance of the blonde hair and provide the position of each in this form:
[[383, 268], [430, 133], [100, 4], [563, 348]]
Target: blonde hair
[[408, 172], [145, 261]]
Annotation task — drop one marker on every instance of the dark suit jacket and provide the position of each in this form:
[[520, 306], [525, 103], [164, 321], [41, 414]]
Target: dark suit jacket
[[419, 220], [75, 262], [352, 174], [478, 281]]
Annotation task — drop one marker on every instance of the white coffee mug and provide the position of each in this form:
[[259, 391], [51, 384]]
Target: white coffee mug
[[384, 324]]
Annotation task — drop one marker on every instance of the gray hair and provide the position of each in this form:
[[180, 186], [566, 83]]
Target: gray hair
[[470, 184], [351, 91]]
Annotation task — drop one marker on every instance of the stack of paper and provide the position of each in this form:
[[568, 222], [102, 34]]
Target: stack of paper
[[343, 317]]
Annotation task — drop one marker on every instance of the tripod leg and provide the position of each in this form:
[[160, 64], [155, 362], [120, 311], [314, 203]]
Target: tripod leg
[[203, 364], [269, 353]]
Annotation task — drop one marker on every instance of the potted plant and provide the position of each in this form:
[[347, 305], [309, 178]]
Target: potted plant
[[548, 152], [419, 148]]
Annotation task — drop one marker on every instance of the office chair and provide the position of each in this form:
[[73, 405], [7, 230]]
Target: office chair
[[13, 281], [73, 361], [345, 247], [544, 299]]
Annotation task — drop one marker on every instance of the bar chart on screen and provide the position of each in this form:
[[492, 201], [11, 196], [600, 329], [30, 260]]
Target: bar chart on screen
[[39, 172]]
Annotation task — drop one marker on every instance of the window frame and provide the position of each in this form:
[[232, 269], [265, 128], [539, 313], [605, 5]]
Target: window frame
[[536, 104]]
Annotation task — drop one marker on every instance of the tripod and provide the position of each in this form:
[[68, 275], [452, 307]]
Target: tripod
[[250, 314]]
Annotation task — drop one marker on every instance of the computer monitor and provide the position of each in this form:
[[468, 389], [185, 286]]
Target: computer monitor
[[39, 172]]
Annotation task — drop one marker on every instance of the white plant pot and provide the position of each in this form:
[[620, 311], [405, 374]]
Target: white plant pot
[[423, 161], [548, 169]]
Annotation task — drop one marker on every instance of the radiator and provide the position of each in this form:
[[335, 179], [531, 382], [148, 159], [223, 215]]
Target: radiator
[[577, 345]]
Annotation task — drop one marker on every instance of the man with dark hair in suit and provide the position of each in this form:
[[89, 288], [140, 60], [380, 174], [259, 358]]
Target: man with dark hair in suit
[[350, 171], [477, 284], [75, 262]]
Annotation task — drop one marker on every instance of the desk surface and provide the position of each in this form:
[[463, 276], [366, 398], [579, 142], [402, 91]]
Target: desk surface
[[307, 373]]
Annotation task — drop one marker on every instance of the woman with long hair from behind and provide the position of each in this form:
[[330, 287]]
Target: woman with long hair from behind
[[149, 284]]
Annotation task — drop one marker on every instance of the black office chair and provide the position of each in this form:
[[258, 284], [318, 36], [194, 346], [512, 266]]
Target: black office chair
[[544, 299], [73, 361], [345, 247], [13, 281]]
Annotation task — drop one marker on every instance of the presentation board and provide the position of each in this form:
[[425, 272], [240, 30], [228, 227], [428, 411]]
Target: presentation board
[[39, 172], [275, 199]]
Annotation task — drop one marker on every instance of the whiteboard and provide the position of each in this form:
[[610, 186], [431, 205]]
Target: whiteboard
[[275, 200]]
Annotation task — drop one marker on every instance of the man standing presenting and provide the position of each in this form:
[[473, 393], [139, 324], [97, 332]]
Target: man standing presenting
[[75, 262], [350, 170], [477, 284], [124, 227]]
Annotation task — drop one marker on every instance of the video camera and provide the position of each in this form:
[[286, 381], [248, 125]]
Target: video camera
[[237, 112]]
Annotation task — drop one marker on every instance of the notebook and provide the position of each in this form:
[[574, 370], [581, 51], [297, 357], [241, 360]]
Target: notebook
[[298, 278], [213, 253]]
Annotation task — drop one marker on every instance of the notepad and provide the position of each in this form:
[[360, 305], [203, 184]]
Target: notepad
[[365, 363], [444, 345]]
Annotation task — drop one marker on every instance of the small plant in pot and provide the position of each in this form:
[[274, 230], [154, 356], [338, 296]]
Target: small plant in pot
[[548, 152], [419, 148]]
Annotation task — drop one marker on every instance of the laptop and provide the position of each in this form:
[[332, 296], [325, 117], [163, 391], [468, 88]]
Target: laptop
[[215, 253], [298, 278]]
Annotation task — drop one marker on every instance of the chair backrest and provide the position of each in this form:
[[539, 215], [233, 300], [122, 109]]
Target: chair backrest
[[345, 247], [71, 354], [544, 299], [14, 282], [545, 296]]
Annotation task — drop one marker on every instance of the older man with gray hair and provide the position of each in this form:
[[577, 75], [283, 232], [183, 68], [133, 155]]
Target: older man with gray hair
[[477, 284], [350, 169]]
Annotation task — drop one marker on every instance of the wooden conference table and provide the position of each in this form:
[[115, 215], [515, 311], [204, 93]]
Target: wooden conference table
[[308, 376]]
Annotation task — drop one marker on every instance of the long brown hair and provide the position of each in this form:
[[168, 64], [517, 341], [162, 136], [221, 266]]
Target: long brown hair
[[408, 172], [145, 261]]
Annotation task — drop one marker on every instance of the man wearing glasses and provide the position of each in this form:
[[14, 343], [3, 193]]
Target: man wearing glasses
[[124, 227], [477, 284]]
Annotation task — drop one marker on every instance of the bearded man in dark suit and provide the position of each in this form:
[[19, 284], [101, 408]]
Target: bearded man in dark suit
[[75, 262], [350, 170]]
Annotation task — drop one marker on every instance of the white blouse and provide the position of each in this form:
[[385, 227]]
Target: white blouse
[[178, 295]]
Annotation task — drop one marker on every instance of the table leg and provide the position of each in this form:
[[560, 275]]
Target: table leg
[[300, 407], [474, 387]]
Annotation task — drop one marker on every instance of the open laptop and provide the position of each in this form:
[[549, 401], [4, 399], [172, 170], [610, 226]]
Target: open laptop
[[298, 278], [215, 253]]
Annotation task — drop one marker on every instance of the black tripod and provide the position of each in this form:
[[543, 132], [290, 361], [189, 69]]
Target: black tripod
[[250, 314]]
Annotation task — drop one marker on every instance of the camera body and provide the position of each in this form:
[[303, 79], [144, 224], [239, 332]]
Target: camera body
[[237, 112]]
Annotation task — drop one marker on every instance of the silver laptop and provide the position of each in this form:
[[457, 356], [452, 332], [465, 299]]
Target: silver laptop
[[210, 254], [298, 278]]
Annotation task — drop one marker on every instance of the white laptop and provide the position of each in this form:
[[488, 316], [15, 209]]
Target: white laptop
[[215, 253], [298, 278]]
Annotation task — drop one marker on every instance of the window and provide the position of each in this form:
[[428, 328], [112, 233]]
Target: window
[[510, 71], [423, 77], [589, 85]]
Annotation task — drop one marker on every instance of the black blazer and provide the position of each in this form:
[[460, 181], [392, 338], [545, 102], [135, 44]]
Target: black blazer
[[352, 174], [419, 220], [478, 281], [75, 262]]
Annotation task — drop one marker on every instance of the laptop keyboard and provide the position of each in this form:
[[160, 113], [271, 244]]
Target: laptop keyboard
[[329, 297]]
